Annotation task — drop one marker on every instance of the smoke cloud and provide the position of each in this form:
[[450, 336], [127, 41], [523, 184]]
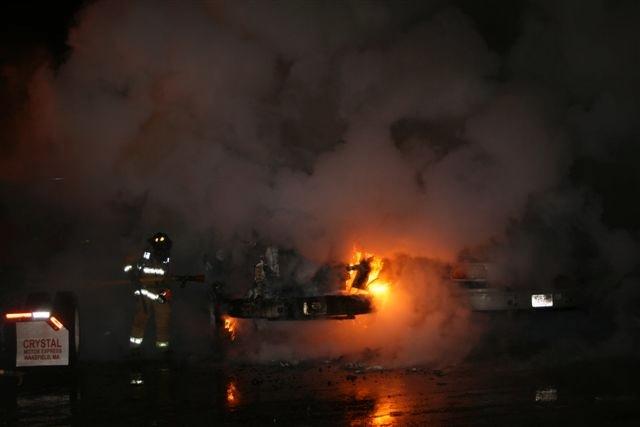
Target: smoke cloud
[[321, 126]]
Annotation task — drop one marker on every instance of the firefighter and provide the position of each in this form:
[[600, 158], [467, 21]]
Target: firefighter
[[266, 273], [259, 279], [272, 263], [153, 296]]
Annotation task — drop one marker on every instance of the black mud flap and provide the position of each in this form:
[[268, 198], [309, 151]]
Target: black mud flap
[[65, 308]]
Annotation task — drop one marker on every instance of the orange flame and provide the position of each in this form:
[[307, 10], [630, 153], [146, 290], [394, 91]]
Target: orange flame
[[230, 326], [376, 286]]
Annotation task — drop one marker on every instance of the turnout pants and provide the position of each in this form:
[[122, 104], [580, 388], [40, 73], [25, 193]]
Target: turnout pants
[[162, 314]]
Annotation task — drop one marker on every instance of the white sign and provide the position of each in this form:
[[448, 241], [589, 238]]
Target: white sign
[[542, 300], [38, 344]]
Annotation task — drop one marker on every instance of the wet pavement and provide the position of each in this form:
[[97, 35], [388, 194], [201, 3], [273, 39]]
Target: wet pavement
[[326, 393]]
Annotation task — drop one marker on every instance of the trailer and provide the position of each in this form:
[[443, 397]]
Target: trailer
[[42, 332], [473, 279]]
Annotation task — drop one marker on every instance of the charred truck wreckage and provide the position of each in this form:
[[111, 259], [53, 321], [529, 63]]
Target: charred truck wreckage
[[265, 304], [278, 291], [335, 291], [271, 297]]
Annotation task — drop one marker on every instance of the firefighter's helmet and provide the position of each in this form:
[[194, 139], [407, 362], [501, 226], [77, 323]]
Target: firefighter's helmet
[[160, 242]]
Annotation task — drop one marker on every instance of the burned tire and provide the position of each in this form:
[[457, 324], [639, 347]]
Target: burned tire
[[65, 308]]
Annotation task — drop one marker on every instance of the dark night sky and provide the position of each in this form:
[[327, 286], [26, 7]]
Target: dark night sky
[[29, 25], [33, 25]]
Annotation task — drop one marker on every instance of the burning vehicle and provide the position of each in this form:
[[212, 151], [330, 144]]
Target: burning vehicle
[[272, 299]]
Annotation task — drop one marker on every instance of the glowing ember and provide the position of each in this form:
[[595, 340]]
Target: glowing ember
[[230, 326]]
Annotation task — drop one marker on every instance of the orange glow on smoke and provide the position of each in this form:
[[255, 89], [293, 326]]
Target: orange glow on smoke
[[379, 289], [230, 325]]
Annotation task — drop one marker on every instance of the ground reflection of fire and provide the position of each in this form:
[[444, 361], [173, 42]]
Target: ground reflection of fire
[[388, 403], [232, 394]]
